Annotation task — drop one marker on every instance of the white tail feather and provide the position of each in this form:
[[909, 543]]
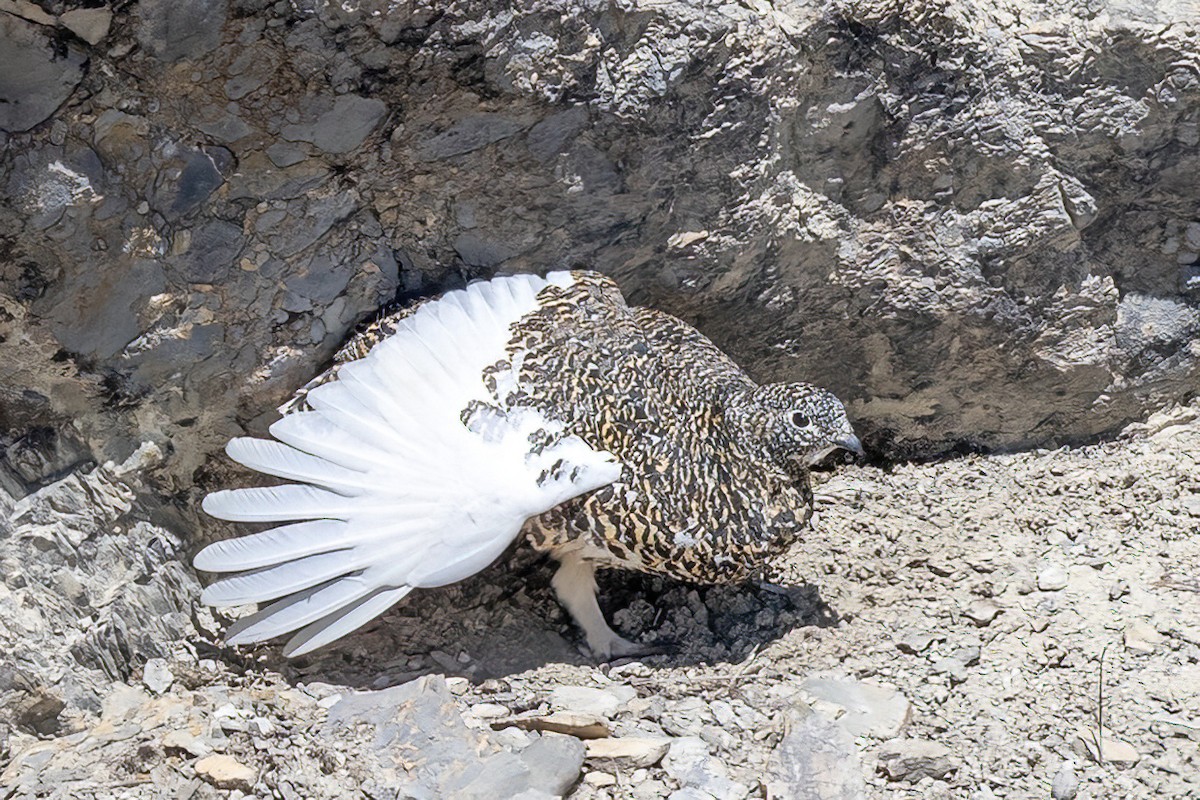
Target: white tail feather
[[394, 491]]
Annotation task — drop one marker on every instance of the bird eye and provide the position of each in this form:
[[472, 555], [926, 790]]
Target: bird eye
[[799, 420]]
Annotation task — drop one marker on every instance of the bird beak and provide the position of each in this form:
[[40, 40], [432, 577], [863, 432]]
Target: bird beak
[[852, 444]]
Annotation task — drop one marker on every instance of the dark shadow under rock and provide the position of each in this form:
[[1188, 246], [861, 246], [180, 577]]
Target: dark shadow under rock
[[506, 621]]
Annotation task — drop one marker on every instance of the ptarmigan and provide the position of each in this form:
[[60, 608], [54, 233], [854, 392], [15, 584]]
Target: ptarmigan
[[610, 435]]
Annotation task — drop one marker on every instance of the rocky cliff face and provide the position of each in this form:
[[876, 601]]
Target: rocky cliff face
[[975, 221]]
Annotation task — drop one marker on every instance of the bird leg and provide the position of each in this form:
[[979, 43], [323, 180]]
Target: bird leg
[[575, 585]]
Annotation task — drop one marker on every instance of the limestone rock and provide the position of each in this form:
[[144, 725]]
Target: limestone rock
[[420, 737], [1142, 636], [860, 707], [632, 750], [913, 759], [225, 772], [816, 760], [34, 80], [1105, 747], [89, 24], [1052, 578]]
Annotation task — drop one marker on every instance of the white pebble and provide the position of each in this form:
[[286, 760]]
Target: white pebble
[[1052, 579]]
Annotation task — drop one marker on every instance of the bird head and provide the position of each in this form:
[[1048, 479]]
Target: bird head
[[800, 422]]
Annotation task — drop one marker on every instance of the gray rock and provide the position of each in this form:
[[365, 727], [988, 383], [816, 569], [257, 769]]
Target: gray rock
[[285, 155], [479, 251], [689, 763], [1066, 783], [343, 127], [89, 24], [913, 759], [816, 760], [555, 762], [862, 709], [175, 31], [157, 676], [129, 584], [549, 137], [1052, 578], [420, 735], [468, 134], [213, 248], [224, 126], [34, 79]]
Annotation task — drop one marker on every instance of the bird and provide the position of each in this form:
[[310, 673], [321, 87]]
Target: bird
[[545, 408]]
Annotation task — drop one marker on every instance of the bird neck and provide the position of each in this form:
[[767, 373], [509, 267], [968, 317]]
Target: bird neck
[[748, 422]]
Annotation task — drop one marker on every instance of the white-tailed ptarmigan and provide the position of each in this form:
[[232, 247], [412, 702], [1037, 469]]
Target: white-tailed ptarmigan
[[609, 435]]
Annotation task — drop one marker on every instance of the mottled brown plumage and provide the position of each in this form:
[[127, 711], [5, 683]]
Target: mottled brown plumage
[[713, 468]]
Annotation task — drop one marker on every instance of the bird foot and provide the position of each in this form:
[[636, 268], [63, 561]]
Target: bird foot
[[612, 647]]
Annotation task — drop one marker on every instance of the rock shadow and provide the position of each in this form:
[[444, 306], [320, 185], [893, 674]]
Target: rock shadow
[[506, 621]]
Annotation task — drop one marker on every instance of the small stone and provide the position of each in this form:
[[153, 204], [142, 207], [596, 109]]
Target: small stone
[[689, 763], [1118, 589], [1052, 578], [915, 642], [968, 656], [89, 24], [953, 667], [554, 763], [815, 759], [488, 711], [1191, 505], [187, 742], [913, 759], [599, 779], [225, 772], [1066, 783], [631, 751], [1142, 637], [982, 612], [262, 726], [1114, 750], [588, 700], [231, 718], [157, 676], [862, 708]]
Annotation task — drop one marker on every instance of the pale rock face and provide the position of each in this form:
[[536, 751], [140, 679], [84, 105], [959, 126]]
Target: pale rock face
[[976, 224], [973, 224]]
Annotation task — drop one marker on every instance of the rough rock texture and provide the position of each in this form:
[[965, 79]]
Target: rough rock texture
[[976, 221], [764, 690]]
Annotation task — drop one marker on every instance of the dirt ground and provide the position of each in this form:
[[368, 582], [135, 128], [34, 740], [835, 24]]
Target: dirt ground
[[969, 607]]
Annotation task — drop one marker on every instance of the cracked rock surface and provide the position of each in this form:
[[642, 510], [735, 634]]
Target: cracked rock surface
[[975, 221]]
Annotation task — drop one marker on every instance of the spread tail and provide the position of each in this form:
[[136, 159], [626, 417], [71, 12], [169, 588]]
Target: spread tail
[[407, 473]]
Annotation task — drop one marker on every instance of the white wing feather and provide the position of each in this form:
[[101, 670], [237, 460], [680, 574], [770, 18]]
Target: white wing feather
[[393, 491]]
